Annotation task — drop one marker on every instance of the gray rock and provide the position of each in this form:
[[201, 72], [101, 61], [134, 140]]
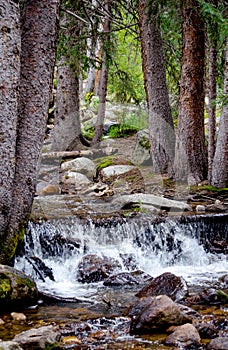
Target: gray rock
[[141, 151], [115, 170], [9, 345], [38, 338], [76, 179], [220, 343], [200, 208], [123, 179], [149, 199], [156, 313], [185, 336], [81, 165], [16, 288]]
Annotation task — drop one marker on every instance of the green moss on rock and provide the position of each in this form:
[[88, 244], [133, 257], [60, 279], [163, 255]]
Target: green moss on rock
[[145, 143], [5, 287]]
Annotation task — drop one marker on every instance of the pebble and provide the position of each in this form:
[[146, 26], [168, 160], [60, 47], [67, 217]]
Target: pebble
[[17, 316]]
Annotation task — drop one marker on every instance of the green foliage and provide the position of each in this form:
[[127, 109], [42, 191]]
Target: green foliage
[[88, 133], [129, 124], [125, 72], [215, 18]]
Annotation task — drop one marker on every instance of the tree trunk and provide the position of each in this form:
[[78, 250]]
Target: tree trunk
[[191, 154], [212, 59], [212, 91], [220, 163], [103, 83], [10, 47], [161, 129], [39, 38], [67, 120]]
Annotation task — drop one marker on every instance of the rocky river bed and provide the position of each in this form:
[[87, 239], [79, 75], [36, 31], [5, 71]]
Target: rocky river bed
[[123, 284]]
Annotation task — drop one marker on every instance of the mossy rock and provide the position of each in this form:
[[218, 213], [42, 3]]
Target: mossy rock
[[17, 290], [104, 162]]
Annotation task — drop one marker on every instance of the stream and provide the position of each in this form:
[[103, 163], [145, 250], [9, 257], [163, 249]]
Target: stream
[[188, 247], [178, 246]]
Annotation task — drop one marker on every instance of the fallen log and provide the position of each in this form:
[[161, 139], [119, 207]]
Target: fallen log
[[83, 153]]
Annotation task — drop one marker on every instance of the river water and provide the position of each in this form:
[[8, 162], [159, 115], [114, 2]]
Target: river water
[[177, 246]]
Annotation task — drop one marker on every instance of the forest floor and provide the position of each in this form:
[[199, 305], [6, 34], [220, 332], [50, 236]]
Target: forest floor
[[161, 185]]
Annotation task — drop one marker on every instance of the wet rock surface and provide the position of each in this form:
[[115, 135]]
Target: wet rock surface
[[155, 313], [17, 290], [168, 284], [185, 336], [94, 268]]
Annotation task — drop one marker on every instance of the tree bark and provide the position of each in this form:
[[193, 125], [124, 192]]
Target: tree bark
[[212, 92], [220, 163], [103, 83], [67, 119], [161, 128], [212, 59], [10, 47], [191, 154], [38, 48]]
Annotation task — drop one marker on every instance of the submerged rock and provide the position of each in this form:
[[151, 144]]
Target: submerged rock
[[156, 313], [17, 290], [185, 336], [38, 338], [168, 284], [94, 268]]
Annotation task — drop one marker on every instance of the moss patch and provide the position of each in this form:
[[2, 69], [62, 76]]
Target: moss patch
[[145, 143], [25, 282], [104, 162], [5, 287], [209, 189]]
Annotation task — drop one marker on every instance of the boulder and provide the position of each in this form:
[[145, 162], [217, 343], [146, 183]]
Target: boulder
[[220, 343], [38, 338], [168, 284], [141, 151], [9, 345], [81, 165], [156, 313], [149, 199], [184, 337], [77, 179], [17, 290], [123, 179], [115, 170], [94, 268], [44, 188]]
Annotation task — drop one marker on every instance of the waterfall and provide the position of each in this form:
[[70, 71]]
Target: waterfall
[[181, 246]]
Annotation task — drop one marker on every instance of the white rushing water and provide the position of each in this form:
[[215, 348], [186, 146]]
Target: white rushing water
[[164, 247]]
